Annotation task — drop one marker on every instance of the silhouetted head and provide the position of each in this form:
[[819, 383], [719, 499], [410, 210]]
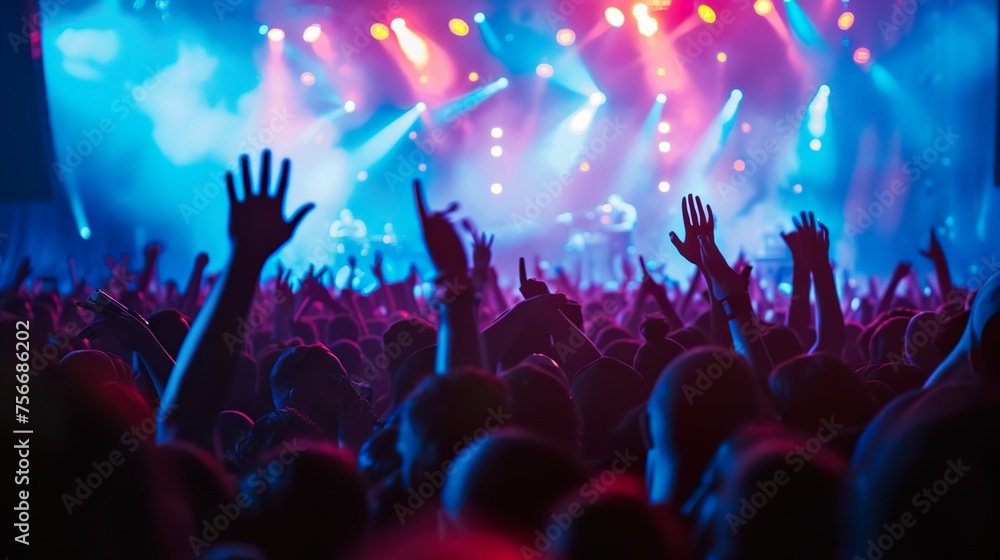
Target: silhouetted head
[[616, 525], [920, 333], [623, 350], [342, 327], [689, 337], [402, 339], [305, 502], [656, 353], [541, 404], [170, 327], [604, 392], [702, 398], [300, 366], [445, 414], [809, 389], [782, 343], [510, 482], [888, 342]]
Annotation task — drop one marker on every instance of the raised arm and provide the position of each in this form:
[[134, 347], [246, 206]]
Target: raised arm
[[798, 308], [189, 299], [730, 289], [830, 330], [884, 304], [459, 343], [205, 365], [936, 255]]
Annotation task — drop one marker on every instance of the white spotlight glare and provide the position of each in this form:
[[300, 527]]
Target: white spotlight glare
[[598, 98], [350, 106]]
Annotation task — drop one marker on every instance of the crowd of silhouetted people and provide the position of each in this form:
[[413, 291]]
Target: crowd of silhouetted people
[[240, 417]]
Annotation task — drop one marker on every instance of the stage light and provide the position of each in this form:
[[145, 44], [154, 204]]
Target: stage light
[[581, 119], [862, 55], [736, 94], [412, 135], [307, 78], [276, 34], [458, 27], [362, 176], [473, 76], [739, 165], [598, 98], [664, 186], [480, 17], [797, 188], [845, 21], [615, 17], [815, 144], [661, 72], [423, 79], [497, 132], [664, 146], [731, 106], [706, 14], [422, 167], [661, 98], [721, 57], [663, 127], [585, 167], [646, 24], [544, 70], [496, 188], [496, 151], [350, 106], [379, 31], [763, 7], [421, 106], [565, 37], [262, 30], [312, 33], [503, 82], [85, 232], [745, 127], [414, 48]]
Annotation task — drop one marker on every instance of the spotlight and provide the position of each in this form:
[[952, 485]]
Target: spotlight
[[276, 34], [503, 82], [458, 27], [664, 186], [379, 31], [706, 14], [745, 127], [480, 17], [664, 146], [739, 165], [496, 151], [661, 72], [85, 232], [721, 57], [307, 78], [544, 70], [663, 127], [661, 98], [598, 98], [397, 24], [422, 167], [797, 188], [312, 33], [615, 17], [362, 176], [646, 24], [763, 7], [473, 76], [862, 55], [584, 167], [350, 106], [262, 30], [736, 95], [565, 37], [845, 21], [815, 144], [421, 106], [497, 132], [496, 188]]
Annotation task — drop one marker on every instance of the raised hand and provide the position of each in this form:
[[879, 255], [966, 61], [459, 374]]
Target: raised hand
[[813, 240], [23, 271], [257, 224], [282, 284], [696, 224], [724, 280], [648, 285], [530, 287], [935, 253], [377, 267], [443, 244]]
